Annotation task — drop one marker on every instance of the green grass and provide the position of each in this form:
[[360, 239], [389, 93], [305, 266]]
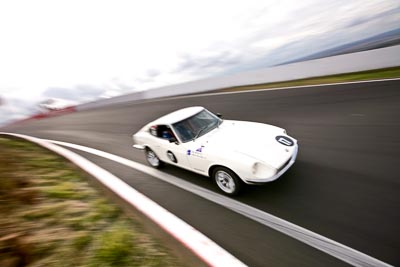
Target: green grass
[[65, 190], [43, 211], [61, 219], [82, 241], [348, 77], [114, 248]]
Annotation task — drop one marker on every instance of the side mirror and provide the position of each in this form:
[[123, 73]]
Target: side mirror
[[173, 140], [219, 115]]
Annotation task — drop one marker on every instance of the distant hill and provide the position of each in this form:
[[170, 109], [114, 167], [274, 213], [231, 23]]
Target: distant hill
[[385, 39]]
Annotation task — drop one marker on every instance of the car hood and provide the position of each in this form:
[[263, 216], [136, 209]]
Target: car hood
[[255, 140]]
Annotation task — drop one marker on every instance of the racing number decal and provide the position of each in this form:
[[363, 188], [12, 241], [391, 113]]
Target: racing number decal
[[284, 140], [172, 157]]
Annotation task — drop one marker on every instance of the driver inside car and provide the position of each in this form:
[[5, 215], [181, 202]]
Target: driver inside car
[[167, 134]]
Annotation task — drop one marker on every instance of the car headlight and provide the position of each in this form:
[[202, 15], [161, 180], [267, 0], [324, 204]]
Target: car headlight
[[263, 170]]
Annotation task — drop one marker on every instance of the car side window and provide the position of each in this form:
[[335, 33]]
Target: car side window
[[162, 131]]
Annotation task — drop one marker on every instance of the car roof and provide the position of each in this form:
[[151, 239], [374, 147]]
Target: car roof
[[178, 115]]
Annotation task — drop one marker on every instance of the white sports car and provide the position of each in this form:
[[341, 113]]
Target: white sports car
[[231, 152]]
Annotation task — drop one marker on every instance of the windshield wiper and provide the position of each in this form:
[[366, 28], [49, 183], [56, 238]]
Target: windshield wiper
[[199, 132]]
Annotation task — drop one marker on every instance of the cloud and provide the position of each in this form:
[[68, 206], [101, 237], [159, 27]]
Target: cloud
[[153, 73], [376, 18], [79, 93], [138, 47], [309, 27], [13, 109], [216, 62]]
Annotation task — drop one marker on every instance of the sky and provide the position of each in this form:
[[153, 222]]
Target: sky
[[85, 50]]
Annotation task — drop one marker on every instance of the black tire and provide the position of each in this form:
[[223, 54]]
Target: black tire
[[153, 160], [227, 181]]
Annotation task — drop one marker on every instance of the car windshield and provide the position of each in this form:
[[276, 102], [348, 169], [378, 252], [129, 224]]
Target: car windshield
[[196, 126]]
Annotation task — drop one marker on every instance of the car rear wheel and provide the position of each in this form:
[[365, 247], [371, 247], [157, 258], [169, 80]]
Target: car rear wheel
[[153, 159], [227, 180]]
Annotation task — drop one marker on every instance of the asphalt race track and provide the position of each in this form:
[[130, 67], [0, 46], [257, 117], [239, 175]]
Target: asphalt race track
[[345, 184]]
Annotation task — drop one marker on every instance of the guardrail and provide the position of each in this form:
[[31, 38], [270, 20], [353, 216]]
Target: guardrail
[[361, 61]]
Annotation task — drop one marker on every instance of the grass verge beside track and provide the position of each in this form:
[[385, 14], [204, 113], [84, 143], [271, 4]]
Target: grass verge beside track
[[386, 73], [51, 216]]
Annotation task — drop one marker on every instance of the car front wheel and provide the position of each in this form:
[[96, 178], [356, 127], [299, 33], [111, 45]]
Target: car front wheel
[[153, 159], [227, 180]]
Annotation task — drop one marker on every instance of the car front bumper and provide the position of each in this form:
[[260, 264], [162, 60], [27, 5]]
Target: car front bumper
[[278, 174]]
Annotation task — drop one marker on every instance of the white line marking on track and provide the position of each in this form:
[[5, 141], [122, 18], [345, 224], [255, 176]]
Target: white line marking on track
[[202, 246], [329, 246], [261, 90]]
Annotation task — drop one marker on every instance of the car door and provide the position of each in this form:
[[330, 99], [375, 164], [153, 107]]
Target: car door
[[198, 156], [170, 152], [175, 153]]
